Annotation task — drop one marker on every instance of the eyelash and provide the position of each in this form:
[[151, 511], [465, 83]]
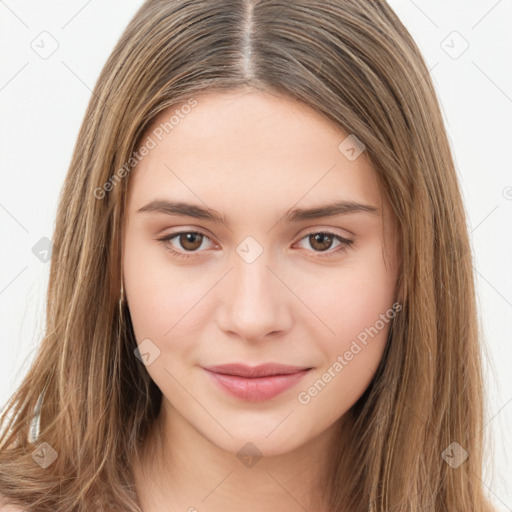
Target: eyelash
[[165, 241]]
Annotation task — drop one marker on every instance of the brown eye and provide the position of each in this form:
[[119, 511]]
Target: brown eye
[[190, 241], [184, 244], [326, 242], [320, 241]]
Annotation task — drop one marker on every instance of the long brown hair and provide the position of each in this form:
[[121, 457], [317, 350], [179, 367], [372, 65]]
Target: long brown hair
[[92, 398]]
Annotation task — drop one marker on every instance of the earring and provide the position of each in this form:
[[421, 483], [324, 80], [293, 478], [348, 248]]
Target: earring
[[121, 300], [35, 424]]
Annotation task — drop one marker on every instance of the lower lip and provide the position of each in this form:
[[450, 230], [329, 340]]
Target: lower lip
[[256, 389]]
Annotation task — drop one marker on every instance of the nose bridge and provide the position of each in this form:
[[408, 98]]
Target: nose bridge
[[254, 303]]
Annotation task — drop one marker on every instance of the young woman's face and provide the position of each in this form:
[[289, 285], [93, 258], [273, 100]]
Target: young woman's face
[[256, 268]]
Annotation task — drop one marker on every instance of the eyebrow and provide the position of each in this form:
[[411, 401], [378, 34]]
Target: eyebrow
[[292, 215]]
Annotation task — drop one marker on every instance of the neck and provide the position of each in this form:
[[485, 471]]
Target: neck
[[181, 470]]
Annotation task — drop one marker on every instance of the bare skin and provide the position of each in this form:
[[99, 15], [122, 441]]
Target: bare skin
[[302, 301]]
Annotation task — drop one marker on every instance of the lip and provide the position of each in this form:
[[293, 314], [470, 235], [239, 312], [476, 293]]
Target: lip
[[256, 383]]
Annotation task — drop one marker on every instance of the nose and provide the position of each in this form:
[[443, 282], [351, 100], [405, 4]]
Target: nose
[[254, 302]]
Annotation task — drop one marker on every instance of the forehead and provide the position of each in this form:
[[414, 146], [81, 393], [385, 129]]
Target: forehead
[[250, 148]]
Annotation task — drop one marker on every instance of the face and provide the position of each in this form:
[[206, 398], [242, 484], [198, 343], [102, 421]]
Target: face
[[253, 267]]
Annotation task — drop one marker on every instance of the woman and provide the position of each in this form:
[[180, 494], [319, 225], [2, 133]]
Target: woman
[[261, 292]]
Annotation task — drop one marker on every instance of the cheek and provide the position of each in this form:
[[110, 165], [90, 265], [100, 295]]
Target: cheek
[[358, 308], [354, 296], [349, 365], [164, 299]]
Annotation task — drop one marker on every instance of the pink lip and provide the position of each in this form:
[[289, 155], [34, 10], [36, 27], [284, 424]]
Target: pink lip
[[256, 383]]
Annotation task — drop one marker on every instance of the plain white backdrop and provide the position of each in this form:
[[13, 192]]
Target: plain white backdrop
[[51, 54]]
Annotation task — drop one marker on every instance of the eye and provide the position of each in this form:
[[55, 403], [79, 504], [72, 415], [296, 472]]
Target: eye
[[190, 241], [322, 241]]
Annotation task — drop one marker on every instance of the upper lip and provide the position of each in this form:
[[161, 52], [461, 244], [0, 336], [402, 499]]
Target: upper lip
[[262, 370]]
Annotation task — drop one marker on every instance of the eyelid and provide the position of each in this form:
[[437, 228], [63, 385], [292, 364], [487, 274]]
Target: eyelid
[[331, 230], [170, 236]]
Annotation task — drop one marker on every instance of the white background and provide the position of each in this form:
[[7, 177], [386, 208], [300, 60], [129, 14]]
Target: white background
[[42, 103]]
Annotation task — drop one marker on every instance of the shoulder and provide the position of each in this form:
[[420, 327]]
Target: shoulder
[[4, 507]]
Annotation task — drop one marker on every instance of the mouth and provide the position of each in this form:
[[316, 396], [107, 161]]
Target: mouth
[[256, 383]]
